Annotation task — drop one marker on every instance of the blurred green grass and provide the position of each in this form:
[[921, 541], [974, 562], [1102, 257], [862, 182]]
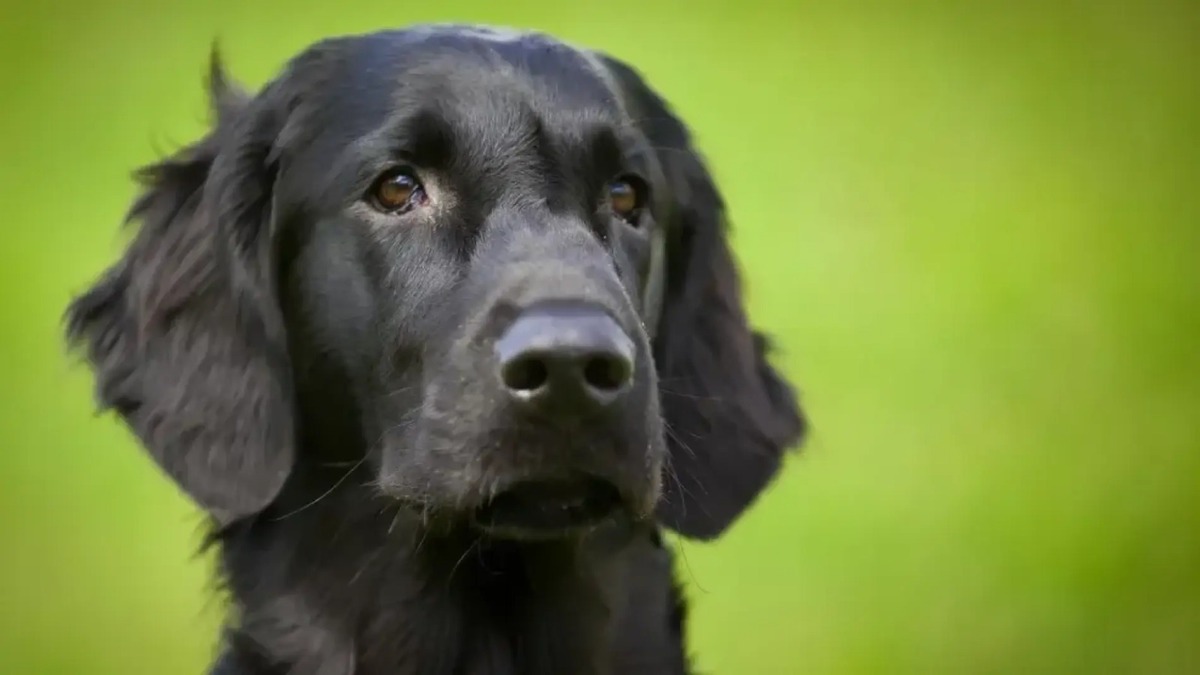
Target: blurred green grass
[[973, 229]]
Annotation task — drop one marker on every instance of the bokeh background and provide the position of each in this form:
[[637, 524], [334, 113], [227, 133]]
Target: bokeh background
[[973, 228]]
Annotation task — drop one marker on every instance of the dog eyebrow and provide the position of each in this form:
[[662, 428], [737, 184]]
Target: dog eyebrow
[[424, 138], [606, 150]]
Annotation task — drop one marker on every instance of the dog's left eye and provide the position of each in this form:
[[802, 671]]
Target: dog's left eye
[[397, 191], [626, 196]]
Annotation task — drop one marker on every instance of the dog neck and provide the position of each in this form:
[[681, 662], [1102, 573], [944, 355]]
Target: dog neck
[[316, 592]]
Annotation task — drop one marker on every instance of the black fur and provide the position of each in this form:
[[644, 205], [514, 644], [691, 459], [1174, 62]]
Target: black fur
[[315, 375]]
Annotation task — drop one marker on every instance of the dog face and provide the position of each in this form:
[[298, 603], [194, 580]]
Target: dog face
[[487, 265], [471, 250]]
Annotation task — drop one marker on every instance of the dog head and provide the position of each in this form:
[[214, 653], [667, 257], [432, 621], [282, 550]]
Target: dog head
[[490, 266]]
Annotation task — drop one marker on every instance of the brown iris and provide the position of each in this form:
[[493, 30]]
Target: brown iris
[[397, 191], [624, 199]]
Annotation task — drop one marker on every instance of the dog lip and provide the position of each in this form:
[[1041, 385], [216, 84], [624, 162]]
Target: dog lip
[[548, 508]]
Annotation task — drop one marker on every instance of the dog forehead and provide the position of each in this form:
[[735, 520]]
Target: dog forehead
[[358, 94], [448, 63]]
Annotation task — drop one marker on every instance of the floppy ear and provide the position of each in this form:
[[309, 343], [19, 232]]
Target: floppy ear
[[730, 414], [183, 333]]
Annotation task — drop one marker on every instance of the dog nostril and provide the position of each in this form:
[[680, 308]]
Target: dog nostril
[[525, 374], [606, 372]]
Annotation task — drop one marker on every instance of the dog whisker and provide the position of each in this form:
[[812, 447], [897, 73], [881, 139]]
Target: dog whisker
[[325, 494]]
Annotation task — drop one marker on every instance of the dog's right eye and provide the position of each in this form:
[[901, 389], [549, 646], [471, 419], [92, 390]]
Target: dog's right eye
[[397, 191]]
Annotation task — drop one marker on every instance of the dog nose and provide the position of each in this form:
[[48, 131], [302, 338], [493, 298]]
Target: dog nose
[[567, 358]]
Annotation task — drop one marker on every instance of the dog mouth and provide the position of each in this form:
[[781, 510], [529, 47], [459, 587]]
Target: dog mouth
[[543, 509]]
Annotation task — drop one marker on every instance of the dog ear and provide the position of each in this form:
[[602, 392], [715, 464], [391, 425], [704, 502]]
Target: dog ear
[[183, 332], [730, 414]]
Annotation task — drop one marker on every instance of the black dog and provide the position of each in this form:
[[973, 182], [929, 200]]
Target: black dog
[[441, 327]]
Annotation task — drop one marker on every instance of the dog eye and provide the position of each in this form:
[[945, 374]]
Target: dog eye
[[397, 191], [626, 195]]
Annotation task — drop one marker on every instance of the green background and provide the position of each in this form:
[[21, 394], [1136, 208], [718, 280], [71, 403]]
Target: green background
[[973, 227]]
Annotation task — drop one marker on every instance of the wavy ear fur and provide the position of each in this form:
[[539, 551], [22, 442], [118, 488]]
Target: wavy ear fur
[[730, 414], [183, 332]]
